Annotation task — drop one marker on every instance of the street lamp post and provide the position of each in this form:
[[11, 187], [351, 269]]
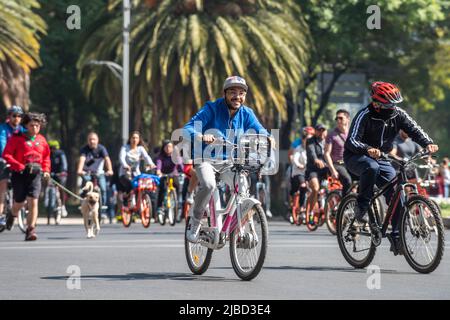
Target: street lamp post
[[122, 72], [126, 70]]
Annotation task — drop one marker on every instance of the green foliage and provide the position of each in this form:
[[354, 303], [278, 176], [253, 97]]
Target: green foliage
[[183, 50]]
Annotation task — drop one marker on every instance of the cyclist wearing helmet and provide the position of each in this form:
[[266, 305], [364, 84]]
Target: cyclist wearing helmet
[[227, 113], [372, 132], [7, 129]]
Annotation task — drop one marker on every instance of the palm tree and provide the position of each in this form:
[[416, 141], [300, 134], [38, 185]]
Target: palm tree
[[19, 48], [182, 50]]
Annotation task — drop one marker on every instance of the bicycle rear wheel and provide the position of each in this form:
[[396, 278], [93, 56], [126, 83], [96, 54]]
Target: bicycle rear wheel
[[422, 234], [198, 257], [331, 207], [146, 209], [248, 249], [357, 249]]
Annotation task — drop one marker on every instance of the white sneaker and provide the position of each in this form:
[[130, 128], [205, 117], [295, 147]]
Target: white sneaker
[[190, 198], [64, 212], [193, 230], [268, 214]]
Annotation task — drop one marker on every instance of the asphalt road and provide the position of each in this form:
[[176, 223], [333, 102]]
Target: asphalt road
[[138, 263]]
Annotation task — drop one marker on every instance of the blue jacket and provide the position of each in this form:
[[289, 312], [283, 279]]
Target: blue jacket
[[6, 132], [215, 115]]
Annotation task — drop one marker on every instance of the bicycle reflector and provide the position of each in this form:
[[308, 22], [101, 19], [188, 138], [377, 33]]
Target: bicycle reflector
[[147, 184]]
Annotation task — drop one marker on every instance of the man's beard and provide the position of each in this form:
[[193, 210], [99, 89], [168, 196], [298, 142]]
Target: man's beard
[[231, 106]]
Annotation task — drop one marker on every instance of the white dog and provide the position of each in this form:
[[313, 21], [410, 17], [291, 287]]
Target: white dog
[[89, 209]]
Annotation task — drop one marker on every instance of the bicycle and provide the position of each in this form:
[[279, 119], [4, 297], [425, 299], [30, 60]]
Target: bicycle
[[315, 217], [238, 221], [419, 220], [7, 211], [52, 200], [139, 200], [170, 202]]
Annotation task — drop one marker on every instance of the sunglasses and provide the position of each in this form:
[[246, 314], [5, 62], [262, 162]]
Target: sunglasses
[[16, 116], [386, 105], [339, 118]]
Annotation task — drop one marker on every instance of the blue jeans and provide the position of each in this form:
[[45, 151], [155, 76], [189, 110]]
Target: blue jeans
[[373, 172], [101, 179]]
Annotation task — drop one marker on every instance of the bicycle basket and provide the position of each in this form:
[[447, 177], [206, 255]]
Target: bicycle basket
[[254, 150], [148, 182]]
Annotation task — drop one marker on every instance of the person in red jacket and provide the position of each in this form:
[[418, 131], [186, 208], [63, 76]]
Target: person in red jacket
[[28, 155]]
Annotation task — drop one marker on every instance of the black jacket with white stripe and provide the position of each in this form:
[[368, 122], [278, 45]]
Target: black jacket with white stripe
[[370, 130]]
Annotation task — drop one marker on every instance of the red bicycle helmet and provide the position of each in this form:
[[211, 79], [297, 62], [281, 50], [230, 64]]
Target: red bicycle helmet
[[385, 92], [308, 130]]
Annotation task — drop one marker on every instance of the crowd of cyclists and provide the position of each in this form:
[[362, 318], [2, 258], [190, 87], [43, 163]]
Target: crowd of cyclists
[[348, 152]]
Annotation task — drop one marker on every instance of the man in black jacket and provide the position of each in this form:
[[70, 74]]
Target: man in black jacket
[[316, 168], [372, 132]]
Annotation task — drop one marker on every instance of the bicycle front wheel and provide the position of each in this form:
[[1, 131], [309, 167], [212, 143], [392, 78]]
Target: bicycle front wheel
[[331, 207], [248, 248], [198, 257], [173, 209], [146, 209], [356, 246], [22, 220], [422, 234]]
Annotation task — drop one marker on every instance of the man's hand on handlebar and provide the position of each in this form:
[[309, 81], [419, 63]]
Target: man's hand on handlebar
[[208, 138], [432, 148], [374, 153]]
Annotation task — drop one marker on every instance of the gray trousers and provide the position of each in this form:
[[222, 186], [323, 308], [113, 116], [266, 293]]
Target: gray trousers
[[206, 173]]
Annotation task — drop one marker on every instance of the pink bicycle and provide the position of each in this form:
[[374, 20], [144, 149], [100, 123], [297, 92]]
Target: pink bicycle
[[242, 221]]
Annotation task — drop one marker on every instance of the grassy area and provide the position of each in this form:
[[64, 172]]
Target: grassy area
[[445, 209]]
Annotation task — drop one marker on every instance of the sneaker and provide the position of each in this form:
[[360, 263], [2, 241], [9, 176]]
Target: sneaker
[[193, 230], [30, 235], [190, 198], [360, 216], [268, 213], [396, 245], [152, 220], [161, 215], [58, 218], [2, 221], [64, 212], [103, 218], [9, 221], [291, 219]]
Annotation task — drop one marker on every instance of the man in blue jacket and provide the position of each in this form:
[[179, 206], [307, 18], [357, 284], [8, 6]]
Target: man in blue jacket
[[7, 129], [222, 115]]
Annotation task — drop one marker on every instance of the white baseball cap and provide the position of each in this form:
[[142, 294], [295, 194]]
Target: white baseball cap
[[235, 81]]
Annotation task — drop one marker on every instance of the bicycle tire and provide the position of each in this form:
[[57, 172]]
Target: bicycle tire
[[311, 226], [22, 220], [253, 272], [330, 213], [146, 212], [196, 269], [126, 215], [364, 262], [172, 211], [430, 267]]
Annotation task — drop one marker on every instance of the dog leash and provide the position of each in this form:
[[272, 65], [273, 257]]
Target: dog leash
[[66, 190]]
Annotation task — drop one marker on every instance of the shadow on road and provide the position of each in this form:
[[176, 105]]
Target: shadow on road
[[145, 276], [337, 269]]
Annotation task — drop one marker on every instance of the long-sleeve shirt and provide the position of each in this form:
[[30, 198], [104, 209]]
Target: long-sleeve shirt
[[314, 151], [216, 116], [132, 158], [165, 164], [368, 130], [6, 132], [21, 150]]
